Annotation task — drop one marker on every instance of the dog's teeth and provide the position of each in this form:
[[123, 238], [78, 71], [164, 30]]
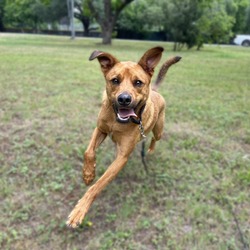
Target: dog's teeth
[[122, 119]]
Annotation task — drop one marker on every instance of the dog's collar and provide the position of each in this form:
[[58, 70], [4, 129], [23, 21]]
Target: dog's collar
[[139, 121], [141, 128]]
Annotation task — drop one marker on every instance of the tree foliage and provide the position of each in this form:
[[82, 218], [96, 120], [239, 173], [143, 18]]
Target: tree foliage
[[32, 14], [21, 13], [141, 16], [188, 23], [216, 25], [2, 5], [241, 24], [247, 25], [182, 21]]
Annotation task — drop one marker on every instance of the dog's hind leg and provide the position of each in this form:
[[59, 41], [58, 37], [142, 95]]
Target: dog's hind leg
[[89, 156], [157, 131]]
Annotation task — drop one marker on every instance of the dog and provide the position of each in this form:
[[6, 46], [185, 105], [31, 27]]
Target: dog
[[130, 110]]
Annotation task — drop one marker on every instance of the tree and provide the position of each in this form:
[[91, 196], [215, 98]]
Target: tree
[[21, 14], [141, 16], [181, 18], [32, 14], [247, 27], [215, 25], [55, 10], [83, 14], [193, 22], [238, 10], [2, 5], [132, 18], [106, 14]]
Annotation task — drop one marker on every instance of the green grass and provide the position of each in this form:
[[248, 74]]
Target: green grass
[[197, 193]]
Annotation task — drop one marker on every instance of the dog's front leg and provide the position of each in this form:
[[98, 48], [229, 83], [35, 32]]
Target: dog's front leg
[[89, 156], [78, 213]]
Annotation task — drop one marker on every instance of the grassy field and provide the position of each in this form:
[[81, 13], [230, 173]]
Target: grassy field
[[197, 193]]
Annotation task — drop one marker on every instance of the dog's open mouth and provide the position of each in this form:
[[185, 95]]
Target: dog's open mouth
[[124, 115]]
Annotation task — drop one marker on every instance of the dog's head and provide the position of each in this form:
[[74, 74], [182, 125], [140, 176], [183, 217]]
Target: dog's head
[[128, 83]]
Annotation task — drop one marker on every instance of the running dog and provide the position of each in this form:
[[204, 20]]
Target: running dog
[[130, 109]]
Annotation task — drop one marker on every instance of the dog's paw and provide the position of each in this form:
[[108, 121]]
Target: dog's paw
[[76, 216], [81, 208], [88, 175], [151, 150], [152, 146], [88, 179]]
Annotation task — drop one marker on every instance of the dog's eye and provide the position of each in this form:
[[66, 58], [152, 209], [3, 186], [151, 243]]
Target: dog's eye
[[138, 83], [115, 81]]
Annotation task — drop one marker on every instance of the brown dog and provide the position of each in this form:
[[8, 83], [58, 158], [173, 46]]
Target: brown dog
[[129, 111]]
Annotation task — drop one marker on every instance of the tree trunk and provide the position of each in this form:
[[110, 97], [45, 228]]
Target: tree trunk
[[85, 24], [1, 25], [107, 34], [108, 23], [175, 46], [108, 19], [2, 16]]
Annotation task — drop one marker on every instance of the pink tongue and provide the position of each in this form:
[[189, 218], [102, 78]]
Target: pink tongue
[[124, 113]]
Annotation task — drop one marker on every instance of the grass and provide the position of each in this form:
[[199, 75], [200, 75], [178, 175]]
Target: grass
[[197, 193]]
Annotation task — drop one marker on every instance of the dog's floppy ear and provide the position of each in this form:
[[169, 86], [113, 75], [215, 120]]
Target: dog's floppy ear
[[150, 59], [106, 60]]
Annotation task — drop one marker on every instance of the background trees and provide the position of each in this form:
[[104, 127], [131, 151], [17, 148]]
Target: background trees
[[139, 18], [215, 25], [32, 14], [83, 14], [182, 18], [21, 13], [188, 23], [106, 14], [2, 4]]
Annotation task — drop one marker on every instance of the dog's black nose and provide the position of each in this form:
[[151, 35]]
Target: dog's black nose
[[124, 99]]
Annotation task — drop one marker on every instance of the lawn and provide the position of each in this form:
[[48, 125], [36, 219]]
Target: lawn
[[196, 195]]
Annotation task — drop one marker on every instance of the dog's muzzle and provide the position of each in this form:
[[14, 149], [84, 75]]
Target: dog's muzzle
[[124, 108]]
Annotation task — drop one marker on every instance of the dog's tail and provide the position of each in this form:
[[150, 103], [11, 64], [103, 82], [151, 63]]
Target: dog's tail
[[163, 71]]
